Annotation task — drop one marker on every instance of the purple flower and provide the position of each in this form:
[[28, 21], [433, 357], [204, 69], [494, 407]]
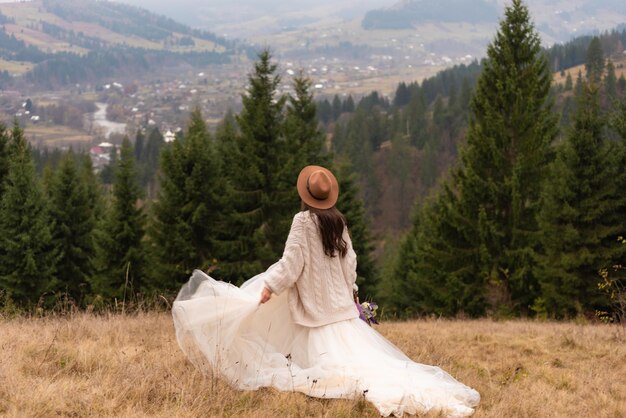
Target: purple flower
[[368, 310], [360, 309]]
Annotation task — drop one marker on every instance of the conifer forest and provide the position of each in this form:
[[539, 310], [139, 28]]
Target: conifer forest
[[490, 189]]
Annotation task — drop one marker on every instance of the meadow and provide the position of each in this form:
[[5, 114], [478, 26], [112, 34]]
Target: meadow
[[130, 366]]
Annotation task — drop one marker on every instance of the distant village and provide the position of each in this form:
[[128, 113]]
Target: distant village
[[122, 107]]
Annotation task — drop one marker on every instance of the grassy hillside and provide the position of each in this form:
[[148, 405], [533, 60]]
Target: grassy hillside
[[41, 31], [618, 61], [111, 23], [126, 366]]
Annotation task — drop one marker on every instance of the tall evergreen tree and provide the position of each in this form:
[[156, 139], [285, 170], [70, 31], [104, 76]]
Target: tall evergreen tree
[[27, 255], [577, 217], [121, 253], [348, 105], [73, 217], [94, 188], [402, 96], [336, 105], [4, 155], [594, 64], [569, 84], [351, 205], [610, 82], [437, 268], [305, 141], [503, 164], [486, 232], [262, 197], [416, 122], [187, 212]]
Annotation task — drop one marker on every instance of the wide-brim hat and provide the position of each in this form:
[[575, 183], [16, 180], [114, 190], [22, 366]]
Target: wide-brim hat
[[318, 187]]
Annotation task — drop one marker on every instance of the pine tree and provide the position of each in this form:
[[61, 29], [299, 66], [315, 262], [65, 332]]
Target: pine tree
[[324, 111], [618, 123], [188, 210], [437, 269], [348, 105], [73, 217], [416, 122], [569, 84], [578, 87], [94, 188], [262, 196], [148, 164], [594, 64], [577, 217], [610, 82], [305, 141], [351, 205], [336, 104], [121, 253], [402, 96], [4, 156], [140, 140], [488, 228], [27, 255]]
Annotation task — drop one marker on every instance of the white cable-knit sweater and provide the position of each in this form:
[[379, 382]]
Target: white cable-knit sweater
[[320, 287]]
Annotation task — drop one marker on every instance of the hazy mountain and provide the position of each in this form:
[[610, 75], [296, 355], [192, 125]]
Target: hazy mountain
[[60, 42], [557, 20], [247, 18], [410, 13]]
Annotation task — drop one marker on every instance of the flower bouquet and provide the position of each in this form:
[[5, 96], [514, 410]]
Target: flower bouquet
[[367, 310]]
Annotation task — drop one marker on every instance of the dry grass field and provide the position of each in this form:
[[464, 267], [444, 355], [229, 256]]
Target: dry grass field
[[618, 61], [130, 366], [51, 136]]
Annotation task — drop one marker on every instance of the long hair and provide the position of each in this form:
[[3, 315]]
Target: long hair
[[331, 223]]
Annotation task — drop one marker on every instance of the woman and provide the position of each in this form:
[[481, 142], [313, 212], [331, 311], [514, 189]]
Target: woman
[[295, 327]]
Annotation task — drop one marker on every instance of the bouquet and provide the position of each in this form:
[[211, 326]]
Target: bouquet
[[367, 310]]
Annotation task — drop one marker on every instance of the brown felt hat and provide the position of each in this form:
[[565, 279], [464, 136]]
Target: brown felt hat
[[318, 187]]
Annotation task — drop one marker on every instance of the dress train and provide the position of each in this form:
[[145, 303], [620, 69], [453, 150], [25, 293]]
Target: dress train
[[222, 328]]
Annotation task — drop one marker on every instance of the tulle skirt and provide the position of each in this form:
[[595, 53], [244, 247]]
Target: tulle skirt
[[223, 329]]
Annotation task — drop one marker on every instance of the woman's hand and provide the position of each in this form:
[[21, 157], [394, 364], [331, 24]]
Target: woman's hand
[[265, 295]]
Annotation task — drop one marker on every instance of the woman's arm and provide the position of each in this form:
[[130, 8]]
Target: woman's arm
[[348, 263], [287, 270]]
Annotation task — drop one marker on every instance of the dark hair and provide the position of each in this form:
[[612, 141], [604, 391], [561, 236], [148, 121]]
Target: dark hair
[[331, 223]]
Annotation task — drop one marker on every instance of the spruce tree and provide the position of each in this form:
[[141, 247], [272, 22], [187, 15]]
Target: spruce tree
[[610, 82], [486, 233], [262, 196], [72, 212], [618, 123], [351, 205], [594, 64], [4, 155], [188, 210], [348, 105], [402, 96], [503, 164], [121, 253], [416, 122], [27, 256], [569, 84], [336, 105], [93, 187], [577, 217], [437, 270], [304, 140]]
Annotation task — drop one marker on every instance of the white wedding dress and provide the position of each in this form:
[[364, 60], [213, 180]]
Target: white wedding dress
[[222, 328]]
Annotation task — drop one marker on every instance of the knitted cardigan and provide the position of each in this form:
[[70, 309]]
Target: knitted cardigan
[[320, 287]]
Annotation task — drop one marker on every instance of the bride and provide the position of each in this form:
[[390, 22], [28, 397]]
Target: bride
[[295, 327]]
